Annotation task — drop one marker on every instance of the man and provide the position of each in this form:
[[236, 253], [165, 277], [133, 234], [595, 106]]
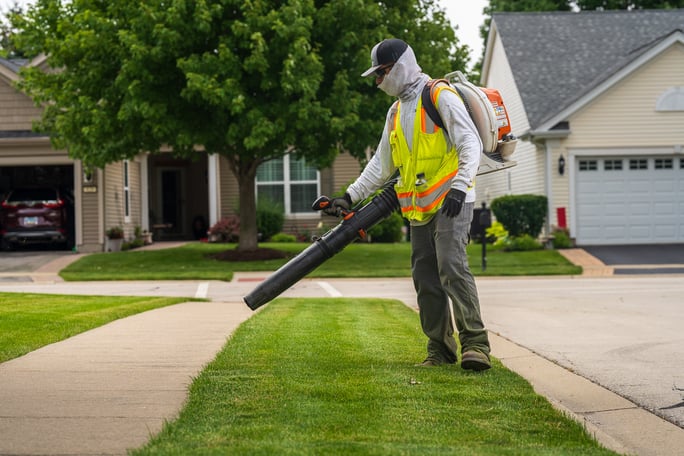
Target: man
[[436, 192]]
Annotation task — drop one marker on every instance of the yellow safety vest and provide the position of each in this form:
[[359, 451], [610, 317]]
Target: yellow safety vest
[[427, 172]]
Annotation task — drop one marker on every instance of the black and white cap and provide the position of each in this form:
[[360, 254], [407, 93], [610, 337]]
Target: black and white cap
[[384, 53]]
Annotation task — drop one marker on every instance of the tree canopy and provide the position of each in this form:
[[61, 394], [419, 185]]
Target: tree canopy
[[249, 80]]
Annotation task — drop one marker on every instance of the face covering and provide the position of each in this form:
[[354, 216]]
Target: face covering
[[402, 76], [390, 84]]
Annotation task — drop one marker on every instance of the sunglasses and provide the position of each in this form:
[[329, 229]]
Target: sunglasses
[[382, 71]]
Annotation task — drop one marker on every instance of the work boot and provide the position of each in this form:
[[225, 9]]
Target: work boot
[[430, 362], [475, 360]]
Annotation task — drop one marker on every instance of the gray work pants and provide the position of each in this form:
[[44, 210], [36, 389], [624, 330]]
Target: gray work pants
[[441, 274]]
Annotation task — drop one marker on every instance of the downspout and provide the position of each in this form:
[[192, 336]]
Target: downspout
[[548, 188]]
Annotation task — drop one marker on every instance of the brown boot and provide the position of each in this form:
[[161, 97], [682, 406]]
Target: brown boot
[[475, 360], [430, 362]]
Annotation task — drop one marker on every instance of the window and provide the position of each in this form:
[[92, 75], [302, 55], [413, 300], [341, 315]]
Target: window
[[612, 165], [290, 182], [638, 163], [126, 192], [671, 100], [588, 165], [664, 163]]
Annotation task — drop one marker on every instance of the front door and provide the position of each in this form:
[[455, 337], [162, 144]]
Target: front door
[[171, 200]]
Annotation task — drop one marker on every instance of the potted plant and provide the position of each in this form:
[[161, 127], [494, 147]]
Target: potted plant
[[115, 237], [144, 235]]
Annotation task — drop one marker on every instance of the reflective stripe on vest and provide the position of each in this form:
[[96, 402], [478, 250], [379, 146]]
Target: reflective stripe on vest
[[426, 172]]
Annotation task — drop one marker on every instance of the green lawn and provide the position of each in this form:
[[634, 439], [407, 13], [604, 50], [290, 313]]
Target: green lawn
[[337, 376], [31, 321], [193, 261]]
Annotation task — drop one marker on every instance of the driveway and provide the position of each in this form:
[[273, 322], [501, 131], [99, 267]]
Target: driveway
[[15, 265], [641, 259]]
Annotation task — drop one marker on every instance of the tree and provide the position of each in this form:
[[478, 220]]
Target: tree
[[250, 81], [8, 48]]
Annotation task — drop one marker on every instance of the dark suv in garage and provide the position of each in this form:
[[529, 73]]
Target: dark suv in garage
[[34, 215]]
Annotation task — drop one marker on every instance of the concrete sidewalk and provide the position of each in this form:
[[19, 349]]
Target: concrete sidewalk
[[112, 388]]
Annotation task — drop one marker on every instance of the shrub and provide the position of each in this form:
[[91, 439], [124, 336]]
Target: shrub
[[388, 230], [498, 233], [521, 243], [270, 218], [283, 237], [133, 244], [227, 229], [561, 239], [521, 214]]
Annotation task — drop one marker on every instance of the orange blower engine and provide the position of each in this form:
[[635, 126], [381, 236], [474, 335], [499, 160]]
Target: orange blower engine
[[488, 111]]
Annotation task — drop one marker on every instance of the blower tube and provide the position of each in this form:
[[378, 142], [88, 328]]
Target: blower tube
[[354, 226]]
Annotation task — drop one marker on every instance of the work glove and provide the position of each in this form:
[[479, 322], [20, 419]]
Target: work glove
[[453, 203], [339, 205]]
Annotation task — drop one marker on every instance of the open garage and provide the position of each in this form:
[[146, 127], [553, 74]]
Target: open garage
[[35, 176]]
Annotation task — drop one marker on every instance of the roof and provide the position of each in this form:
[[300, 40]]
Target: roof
[[557, 57], [13, 64]]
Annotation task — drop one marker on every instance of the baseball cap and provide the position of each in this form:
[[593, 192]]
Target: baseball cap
[[384, 53]]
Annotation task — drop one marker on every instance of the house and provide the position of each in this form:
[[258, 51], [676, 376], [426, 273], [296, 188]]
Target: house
[[597, 101], [174, 198]]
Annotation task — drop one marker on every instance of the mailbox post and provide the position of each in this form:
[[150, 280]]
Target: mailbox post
[[485, 222]]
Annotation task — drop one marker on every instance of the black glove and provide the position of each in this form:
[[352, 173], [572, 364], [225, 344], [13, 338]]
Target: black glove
[[453, 203], [339, 205]]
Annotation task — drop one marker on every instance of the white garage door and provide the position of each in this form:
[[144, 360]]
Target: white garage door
[[634, 200]]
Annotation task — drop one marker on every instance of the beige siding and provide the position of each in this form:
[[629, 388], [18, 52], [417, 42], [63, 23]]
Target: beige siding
[[625, 115], [113, 196], [31, 151], [18, 111], [91, 231], [345, 171], [560, 186], [230, 192]]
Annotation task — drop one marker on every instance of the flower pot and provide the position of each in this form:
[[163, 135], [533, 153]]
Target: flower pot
[[113, 245]]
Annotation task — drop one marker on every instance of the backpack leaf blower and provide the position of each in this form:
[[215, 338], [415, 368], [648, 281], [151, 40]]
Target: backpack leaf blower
[[354, 225]]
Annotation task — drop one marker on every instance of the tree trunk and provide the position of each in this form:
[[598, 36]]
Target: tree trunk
[[248, 223]]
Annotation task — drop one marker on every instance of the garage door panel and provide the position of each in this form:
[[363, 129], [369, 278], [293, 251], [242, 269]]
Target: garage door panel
[[639, 209], [640, 232], [613, 186], [665, 231], [641, 185], [641, 203], [666, 209], [616, 209], [615, 231], [591, 210], [666, 186]]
